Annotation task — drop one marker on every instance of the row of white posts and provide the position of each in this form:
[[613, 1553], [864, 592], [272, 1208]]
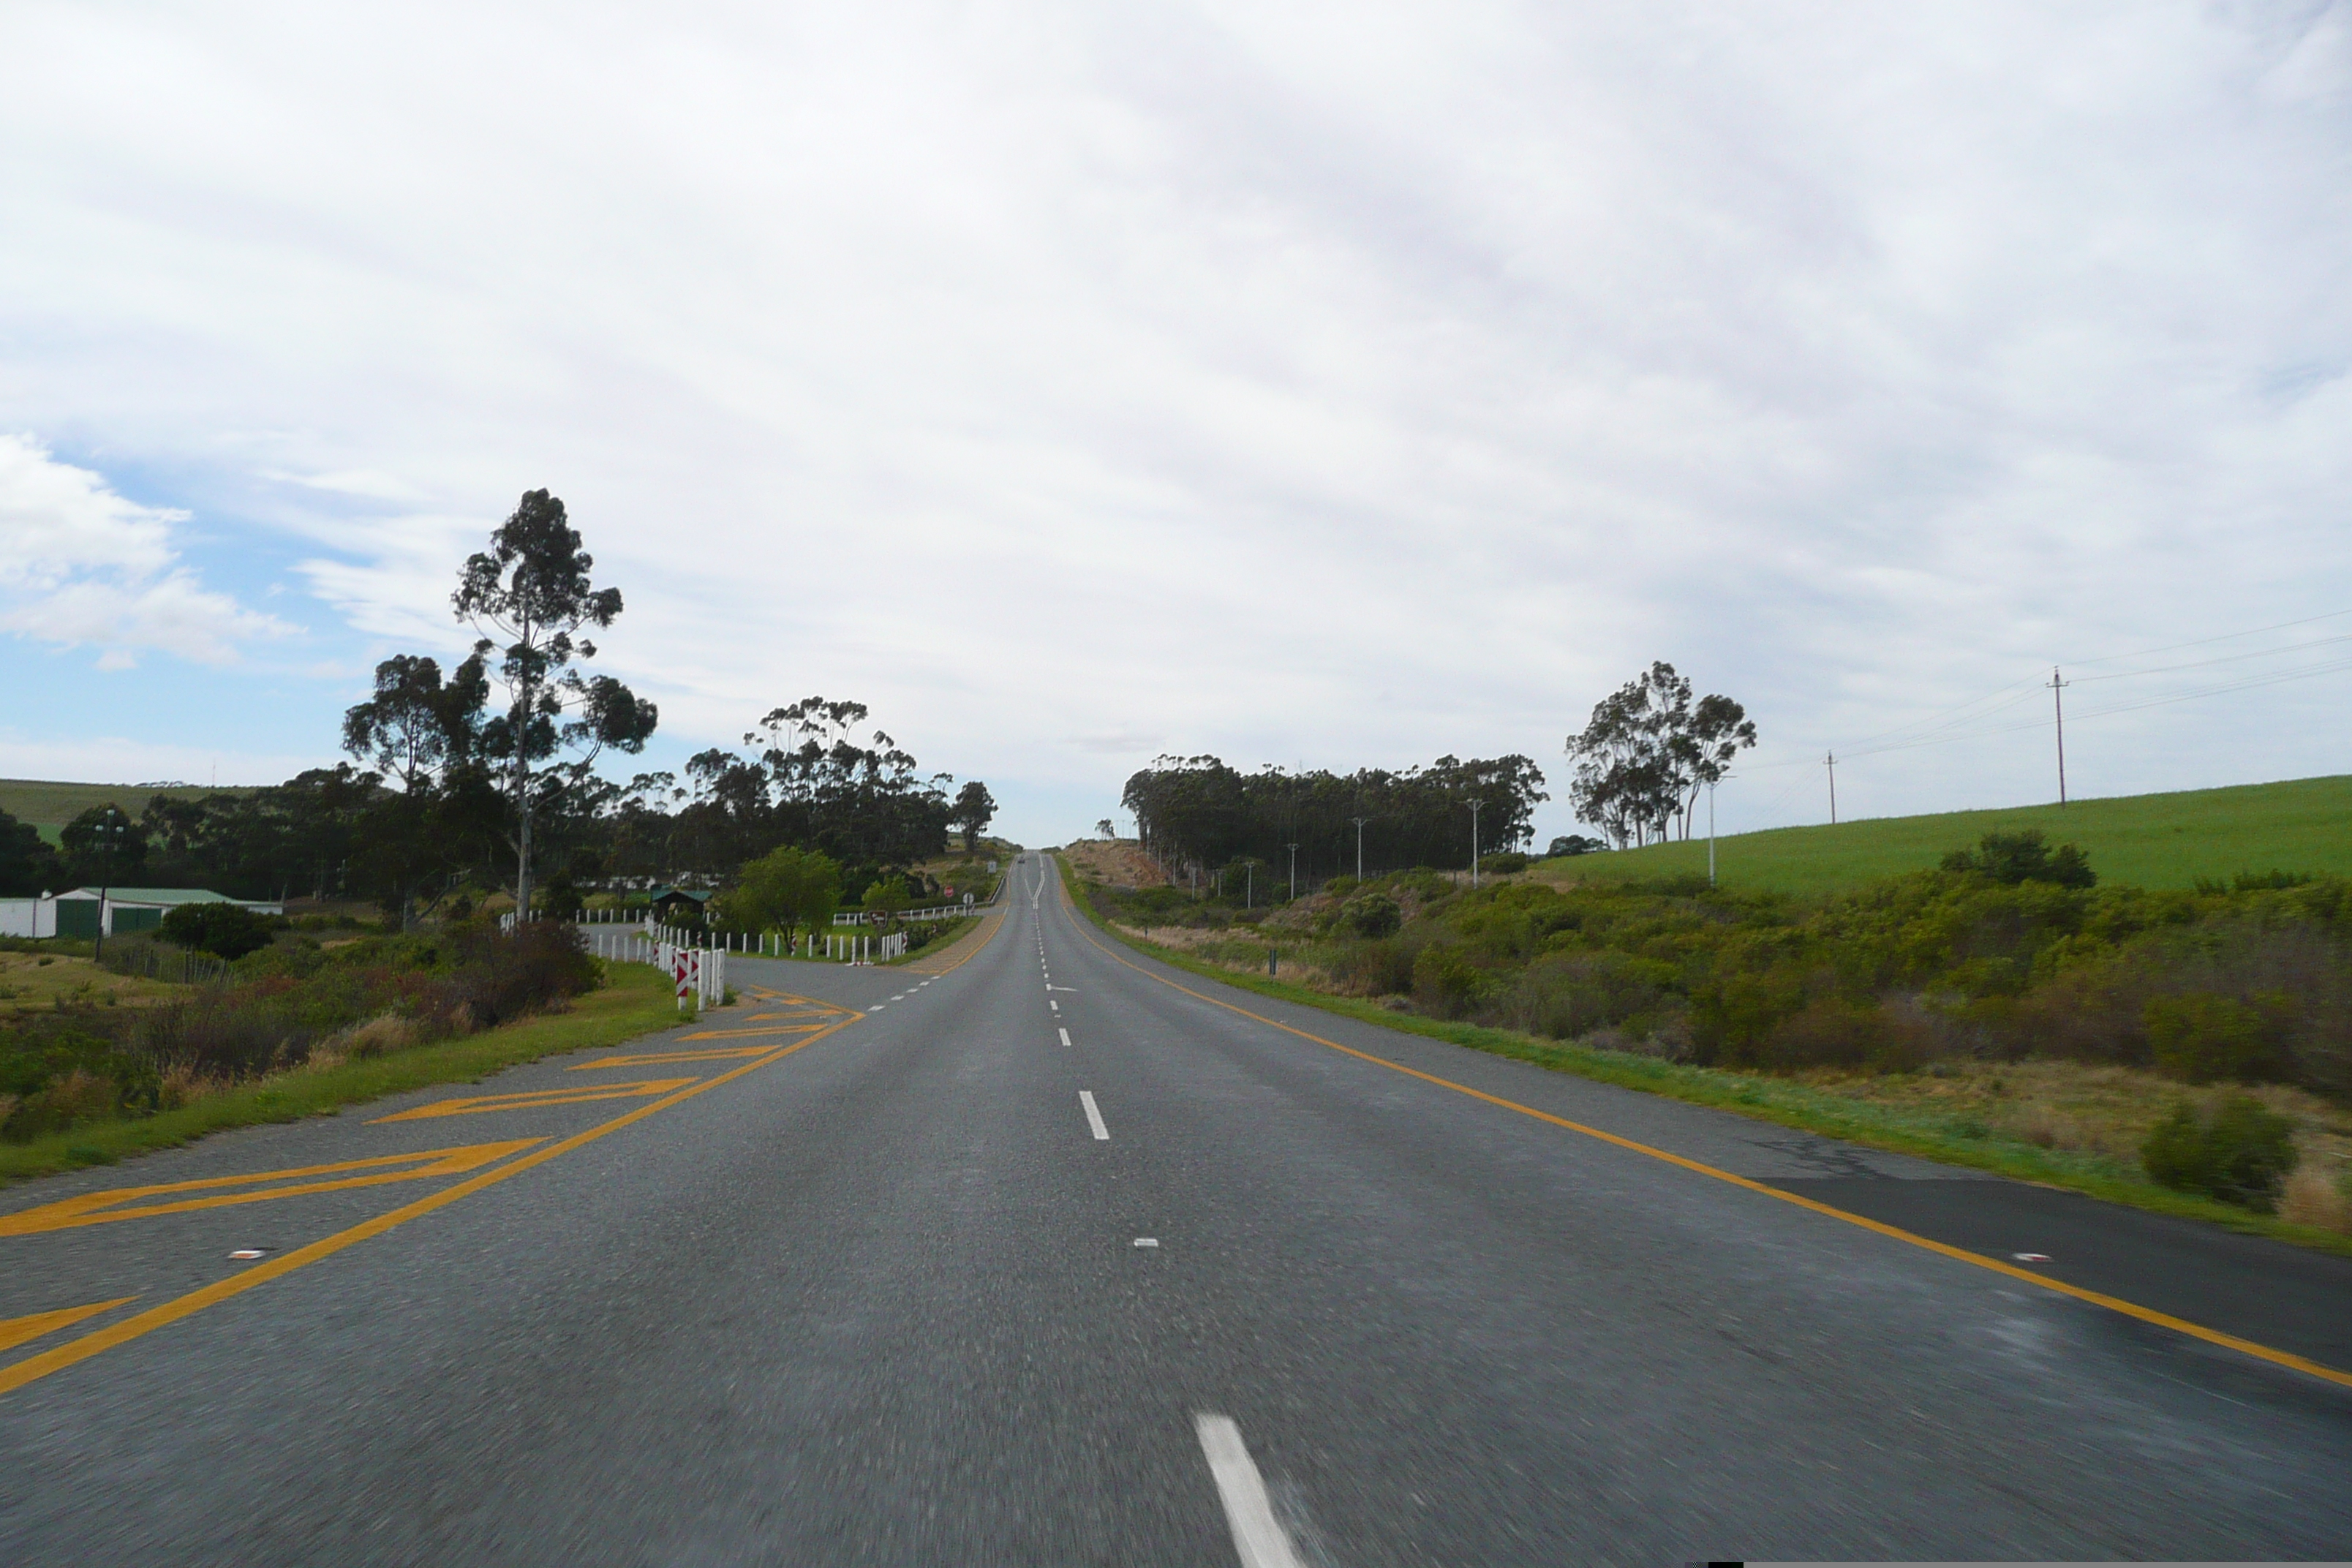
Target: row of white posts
[[700, 971], [650, 943]]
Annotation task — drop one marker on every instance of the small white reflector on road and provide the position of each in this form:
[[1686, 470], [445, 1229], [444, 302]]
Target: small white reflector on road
[[2031, 1257], [248, 1252], [1147, 1241]]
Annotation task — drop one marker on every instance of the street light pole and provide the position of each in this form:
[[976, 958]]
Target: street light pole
[[1360, 822], [1293, 871], [1473, 806]]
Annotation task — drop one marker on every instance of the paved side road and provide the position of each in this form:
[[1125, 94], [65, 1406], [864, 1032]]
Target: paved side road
[[1046, 1259]]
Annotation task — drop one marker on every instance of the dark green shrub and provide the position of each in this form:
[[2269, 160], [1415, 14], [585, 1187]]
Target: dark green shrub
[[2014, 858], [1159, 906], [1833, 1032], [1422, 883], [541, 965], [54, 1073], [224, 930], [1371, 915], [2200, 1038], [1503, 862], [1574, 844], [1568, 994], [1380, 967], [2241, 1153], [1446, 983]]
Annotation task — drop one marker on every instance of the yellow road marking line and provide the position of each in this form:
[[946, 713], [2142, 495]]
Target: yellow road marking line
[[480, 1104], [747, 1034], [32, 1369], [99, 1208], [656, 1058], [2113, 1303], [15, 1332]]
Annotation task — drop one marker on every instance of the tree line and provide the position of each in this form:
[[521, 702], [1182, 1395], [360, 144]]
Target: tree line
[[485, 776], [1198, 814]]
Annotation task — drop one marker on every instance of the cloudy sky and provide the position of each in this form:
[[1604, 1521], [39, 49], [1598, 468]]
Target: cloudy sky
[[1341, 385]]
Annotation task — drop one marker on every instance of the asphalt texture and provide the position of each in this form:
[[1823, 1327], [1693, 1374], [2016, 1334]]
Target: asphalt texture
[[871, 1291]]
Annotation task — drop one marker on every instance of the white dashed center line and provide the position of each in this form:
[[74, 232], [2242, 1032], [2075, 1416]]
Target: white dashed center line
[[1258, 1536], [1093, 1115], [1065, 1035]]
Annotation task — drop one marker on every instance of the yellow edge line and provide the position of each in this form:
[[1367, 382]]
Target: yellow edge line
[[33, 1368], [2113, 1303]]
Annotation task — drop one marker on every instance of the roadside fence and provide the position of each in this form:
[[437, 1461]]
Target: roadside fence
[[646, 944], [154, 961]]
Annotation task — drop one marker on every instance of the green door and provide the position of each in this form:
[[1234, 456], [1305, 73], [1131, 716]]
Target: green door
[[129, 920], [76, 917]]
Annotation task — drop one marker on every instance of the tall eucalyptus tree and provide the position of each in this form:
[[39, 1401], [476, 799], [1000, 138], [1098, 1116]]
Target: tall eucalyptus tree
[[530, 597]]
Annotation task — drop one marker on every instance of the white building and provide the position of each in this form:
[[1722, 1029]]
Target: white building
[[119, 912]]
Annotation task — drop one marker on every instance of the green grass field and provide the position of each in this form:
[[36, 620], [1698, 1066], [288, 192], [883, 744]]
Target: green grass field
[[2146, 841], [50, 804]]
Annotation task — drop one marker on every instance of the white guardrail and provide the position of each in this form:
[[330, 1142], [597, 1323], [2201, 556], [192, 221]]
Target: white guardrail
[[661, 945], [937, 912]]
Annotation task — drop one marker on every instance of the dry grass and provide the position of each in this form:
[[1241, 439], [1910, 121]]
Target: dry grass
[[29, 980], [1121, 862], [2079, 1108], [363, 1041], [184, 1085], [1239, 951], [2320, 1197]]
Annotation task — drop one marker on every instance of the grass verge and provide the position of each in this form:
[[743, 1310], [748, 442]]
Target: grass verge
[[636, 1000], [1804, 1107], [956, 930]]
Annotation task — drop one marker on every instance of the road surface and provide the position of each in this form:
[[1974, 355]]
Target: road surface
[[1057, 1255]]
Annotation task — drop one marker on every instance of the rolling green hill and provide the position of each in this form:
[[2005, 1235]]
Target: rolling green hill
[[2149, 840], [49, 804]]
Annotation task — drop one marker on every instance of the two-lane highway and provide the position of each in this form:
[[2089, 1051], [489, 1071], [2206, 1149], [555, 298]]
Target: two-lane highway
[[1057, 1255]]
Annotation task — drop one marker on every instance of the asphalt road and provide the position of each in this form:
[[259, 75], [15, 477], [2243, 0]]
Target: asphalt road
[[1056, 1256]]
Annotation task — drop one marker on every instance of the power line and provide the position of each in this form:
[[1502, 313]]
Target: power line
[[2226, 637], [2225, 658]]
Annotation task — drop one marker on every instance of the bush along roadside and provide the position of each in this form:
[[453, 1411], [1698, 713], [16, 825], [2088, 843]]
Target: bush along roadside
[[298, 1029], [2029, 1026]]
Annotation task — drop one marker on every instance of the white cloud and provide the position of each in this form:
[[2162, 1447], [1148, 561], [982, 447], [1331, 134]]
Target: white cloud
[[83, 566], [57, 520], [1344, 384]]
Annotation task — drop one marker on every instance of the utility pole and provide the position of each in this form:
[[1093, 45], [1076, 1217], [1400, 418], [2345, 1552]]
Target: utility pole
[[2058, 706], [1832, 759], [1360, 822], [1473, 806], [1293, 871]]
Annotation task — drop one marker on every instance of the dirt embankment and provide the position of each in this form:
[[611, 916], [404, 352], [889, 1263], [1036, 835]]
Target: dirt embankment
[[1121, 862]]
